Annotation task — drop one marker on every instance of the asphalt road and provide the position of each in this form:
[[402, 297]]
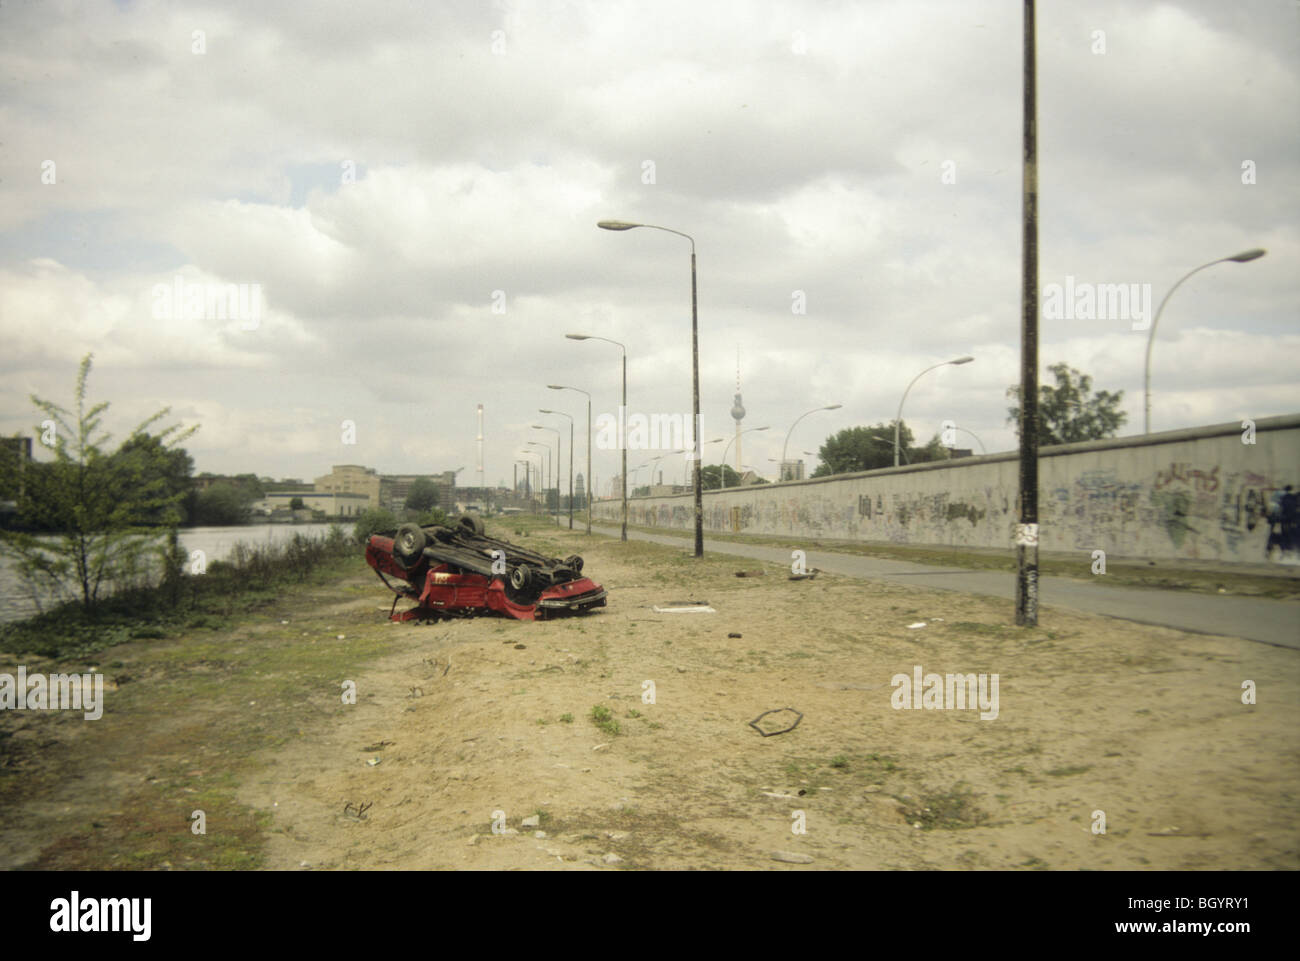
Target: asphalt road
[[1257, 619]]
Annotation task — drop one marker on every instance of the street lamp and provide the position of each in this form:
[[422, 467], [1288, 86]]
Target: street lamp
[[558, 450], [1241, 258], [973, 434], [898, 421], [533, 453], [587, 490], [722, 470], [561, 413], [695, 372], [716, 440], [791, 431], [622, 414], [547, 481], [655, 461]]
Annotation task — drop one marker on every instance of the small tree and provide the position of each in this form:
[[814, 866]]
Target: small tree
[[1070, 412], [374, 520], [434, 517], [223, 505], [424, 494], [111, 511], [709, 477], [868, 448], [296, 504]]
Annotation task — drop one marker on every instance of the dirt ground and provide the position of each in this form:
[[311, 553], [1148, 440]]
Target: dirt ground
[[463, 729]]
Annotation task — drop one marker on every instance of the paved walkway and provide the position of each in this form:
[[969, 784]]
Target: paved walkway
[[1256, 619]]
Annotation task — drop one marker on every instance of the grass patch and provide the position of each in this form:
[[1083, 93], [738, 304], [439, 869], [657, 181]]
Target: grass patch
[[604, 719], [199, 713], [950, 810], [1068, 771]]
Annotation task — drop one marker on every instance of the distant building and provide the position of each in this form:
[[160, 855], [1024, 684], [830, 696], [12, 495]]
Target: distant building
[[350, 479], [332, 504], [395, 488], [205, 480], [792, 470]]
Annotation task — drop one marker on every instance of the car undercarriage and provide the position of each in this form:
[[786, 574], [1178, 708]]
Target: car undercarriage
[[458, 571]]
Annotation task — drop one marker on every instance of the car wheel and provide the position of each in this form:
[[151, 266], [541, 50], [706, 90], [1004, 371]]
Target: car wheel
[[408, 546], [470, 524], [521, 576], [574, 563]]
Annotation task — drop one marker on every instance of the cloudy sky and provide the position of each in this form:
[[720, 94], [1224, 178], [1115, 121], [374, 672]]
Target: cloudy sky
[[414, 189]]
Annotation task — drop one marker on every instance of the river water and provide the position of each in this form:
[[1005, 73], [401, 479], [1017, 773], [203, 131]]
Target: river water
[[16, 600]]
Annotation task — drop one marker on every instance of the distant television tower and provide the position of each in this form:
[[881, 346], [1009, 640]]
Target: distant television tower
[[737, 414]]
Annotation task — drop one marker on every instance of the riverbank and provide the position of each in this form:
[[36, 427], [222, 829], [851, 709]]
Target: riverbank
[[552, 721], [212, 544]]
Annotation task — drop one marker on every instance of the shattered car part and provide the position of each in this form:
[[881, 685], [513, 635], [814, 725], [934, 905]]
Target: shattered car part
[[777, 710], [458, 571]]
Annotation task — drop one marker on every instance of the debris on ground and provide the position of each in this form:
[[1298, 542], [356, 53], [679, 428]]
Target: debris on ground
[[684, 607], [789, 857], [798, 716]]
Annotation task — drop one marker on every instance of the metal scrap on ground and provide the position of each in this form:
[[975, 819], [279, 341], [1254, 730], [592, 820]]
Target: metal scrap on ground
[[684, 607], [777, 710]]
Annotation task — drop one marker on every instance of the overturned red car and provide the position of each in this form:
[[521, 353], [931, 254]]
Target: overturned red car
[[458, 571]]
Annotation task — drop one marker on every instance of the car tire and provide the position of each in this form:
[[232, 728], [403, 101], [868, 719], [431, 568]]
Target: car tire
[[520, 577], [470, 524], [408, 546], [574, 563]]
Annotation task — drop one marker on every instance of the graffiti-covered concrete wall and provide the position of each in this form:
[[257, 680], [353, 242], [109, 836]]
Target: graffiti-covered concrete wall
[[1202, 493]]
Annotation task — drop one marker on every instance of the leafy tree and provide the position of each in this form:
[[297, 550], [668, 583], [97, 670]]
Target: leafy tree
[[1070, 412], [864, 448], [375, 520], [250, 484], [433, 517], [167, 468], [424, 495], [709, 477], [101, 504], [934, 450], [223, 505], [296, 504]]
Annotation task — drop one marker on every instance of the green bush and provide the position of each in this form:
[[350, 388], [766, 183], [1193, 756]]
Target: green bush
[[376, 520], [434, 517]]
